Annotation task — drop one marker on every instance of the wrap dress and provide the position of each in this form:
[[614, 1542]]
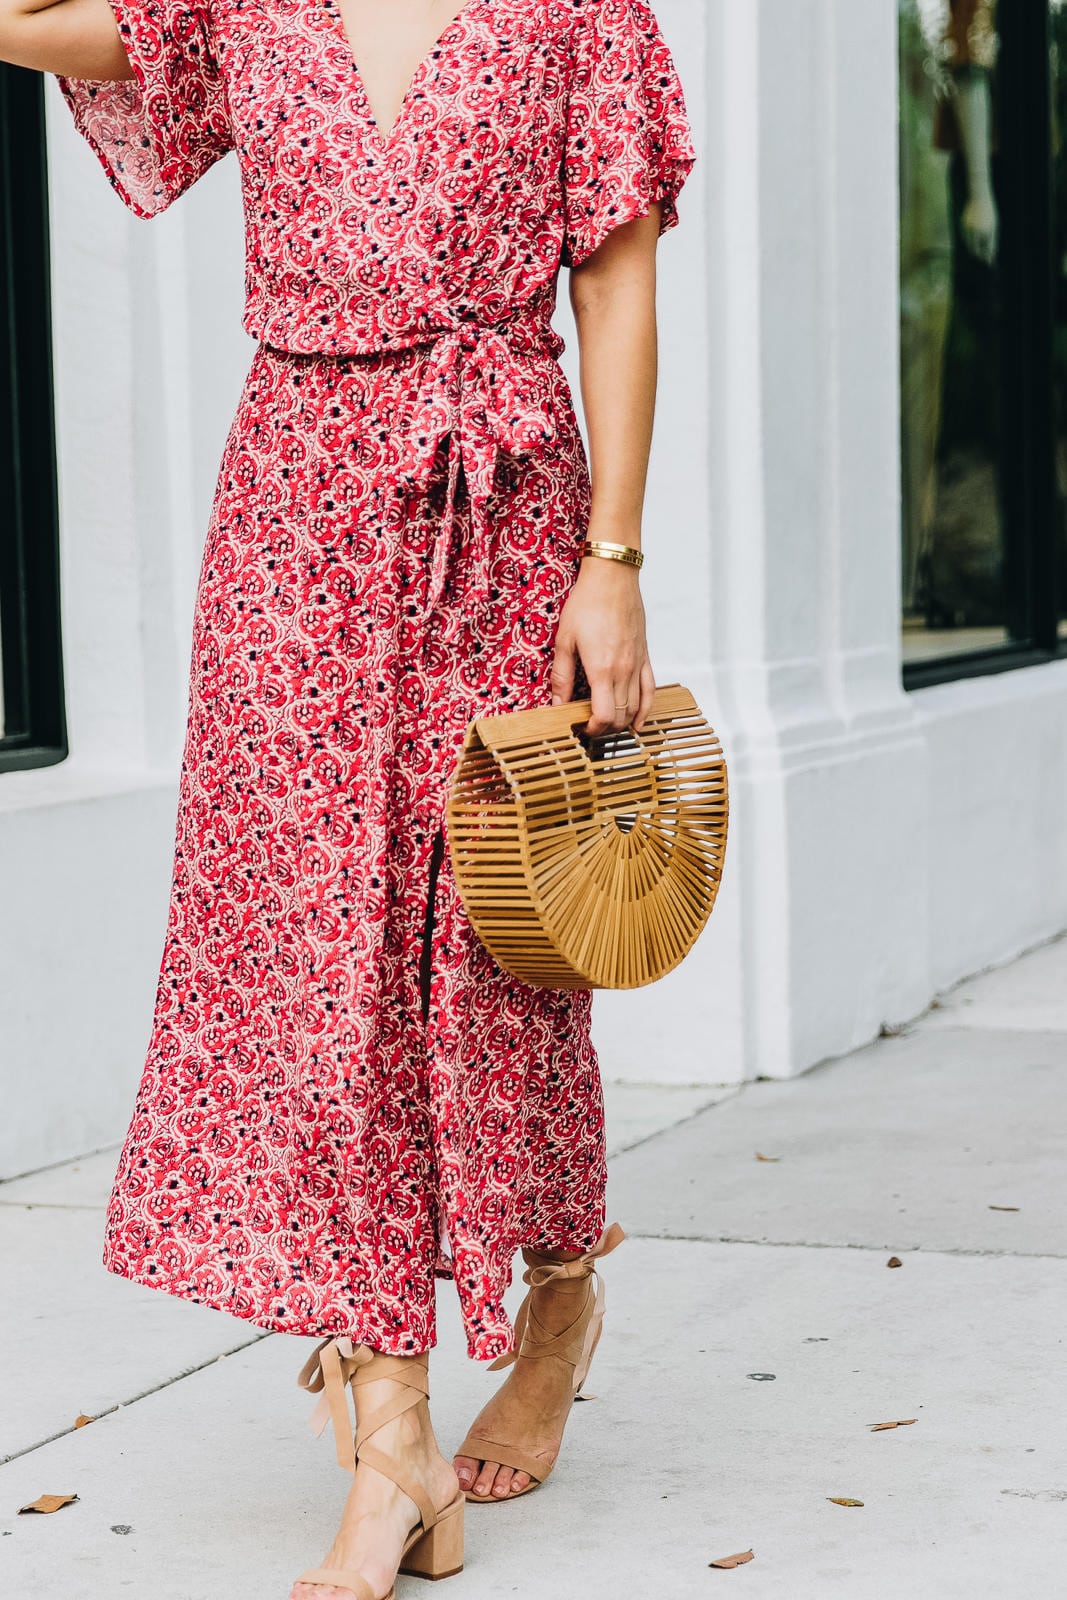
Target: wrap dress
[[344, 1096]]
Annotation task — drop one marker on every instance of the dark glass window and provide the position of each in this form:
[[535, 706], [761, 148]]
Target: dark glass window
[[32, 723], [1058, 147], [983, 550]]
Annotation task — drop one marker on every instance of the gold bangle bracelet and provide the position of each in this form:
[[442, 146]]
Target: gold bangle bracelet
[[627, 553]]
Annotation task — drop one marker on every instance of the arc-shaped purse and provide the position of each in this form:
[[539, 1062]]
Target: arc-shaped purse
[[589, 863]]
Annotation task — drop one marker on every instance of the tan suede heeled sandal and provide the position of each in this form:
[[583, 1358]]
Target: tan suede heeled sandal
[[434, 1548], [574, 1346]]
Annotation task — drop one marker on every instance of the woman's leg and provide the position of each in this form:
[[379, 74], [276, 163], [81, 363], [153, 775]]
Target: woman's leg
[[531, 1407], [378, 1516]]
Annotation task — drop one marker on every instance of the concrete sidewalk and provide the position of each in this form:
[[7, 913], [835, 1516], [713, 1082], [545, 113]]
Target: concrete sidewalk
[[754, 1333]]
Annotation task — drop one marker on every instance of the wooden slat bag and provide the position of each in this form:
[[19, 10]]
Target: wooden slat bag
[[589, 863]]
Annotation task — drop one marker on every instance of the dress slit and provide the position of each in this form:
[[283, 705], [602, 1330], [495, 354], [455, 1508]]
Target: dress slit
[[426, 955]]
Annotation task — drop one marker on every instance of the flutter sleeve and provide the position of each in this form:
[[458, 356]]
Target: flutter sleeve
[[160, 131], [628, 138]]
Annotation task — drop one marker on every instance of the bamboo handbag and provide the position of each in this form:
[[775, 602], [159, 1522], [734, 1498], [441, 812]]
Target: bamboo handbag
[[589, 863]]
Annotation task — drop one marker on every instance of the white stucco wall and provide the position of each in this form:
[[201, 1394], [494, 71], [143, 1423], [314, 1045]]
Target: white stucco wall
[[882, 844], [149, 361]]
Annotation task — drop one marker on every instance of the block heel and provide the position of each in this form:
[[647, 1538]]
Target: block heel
[[438, 1552]]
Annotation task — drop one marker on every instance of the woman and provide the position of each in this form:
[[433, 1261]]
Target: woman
[[344, 1095]]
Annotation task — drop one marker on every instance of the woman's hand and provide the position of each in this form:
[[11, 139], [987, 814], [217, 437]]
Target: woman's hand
[[603, 622]]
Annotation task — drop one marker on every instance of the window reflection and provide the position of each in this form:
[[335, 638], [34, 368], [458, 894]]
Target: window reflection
[[955, 572]]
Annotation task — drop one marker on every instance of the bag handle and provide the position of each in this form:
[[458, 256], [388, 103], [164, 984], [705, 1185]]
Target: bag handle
[[516, 728]]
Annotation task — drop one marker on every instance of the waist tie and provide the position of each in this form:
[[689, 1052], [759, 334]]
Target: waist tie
[[485, 394]]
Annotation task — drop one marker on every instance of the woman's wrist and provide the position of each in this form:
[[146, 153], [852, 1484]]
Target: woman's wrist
[[615, 529], [608, 583], [613, 542]]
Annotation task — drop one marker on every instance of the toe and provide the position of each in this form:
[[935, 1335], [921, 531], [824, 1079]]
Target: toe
[[519, 1482], [502, 1483], [466, 1470], [484, 1482]]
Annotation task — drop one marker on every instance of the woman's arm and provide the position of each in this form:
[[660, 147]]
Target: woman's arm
[[73, 38], [613, 293]]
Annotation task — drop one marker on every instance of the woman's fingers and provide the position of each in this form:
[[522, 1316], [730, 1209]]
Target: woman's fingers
[[628, 694], [615, 702], [602, 696], [647, 685], [562, 679]]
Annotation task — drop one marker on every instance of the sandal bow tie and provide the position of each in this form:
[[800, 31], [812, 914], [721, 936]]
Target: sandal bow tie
[[327, 1372]]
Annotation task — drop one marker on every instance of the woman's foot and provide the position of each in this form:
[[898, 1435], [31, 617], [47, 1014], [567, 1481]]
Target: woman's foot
[[378, 1517], [532, 1406]]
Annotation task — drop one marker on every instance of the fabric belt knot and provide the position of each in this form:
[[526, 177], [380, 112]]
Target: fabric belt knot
[[485, 393]]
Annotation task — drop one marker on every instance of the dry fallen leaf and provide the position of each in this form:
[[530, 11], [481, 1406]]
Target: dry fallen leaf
[[877, 1427], [841, 1500], [1004, 1208], [894, 1261], [767, 1158], [48, 1502], [81, 1420], [733, 1561]]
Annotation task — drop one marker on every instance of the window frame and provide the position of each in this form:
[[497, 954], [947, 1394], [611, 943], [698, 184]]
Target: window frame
[[1033, 513], [31, 659]]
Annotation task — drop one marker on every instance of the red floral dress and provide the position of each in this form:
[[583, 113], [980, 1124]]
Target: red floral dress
[[344, 1094]]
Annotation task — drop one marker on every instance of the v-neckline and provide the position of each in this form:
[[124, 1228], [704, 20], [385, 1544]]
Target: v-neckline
[[443, 38]]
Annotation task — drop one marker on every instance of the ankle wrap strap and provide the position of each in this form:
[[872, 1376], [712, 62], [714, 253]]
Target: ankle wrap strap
[[574, 1343], [336, 1364], [542, 1268]]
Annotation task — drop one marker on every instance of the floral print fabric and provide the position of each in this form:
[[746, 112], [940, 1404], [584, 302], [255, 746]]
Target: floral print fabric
[[344, 1094]]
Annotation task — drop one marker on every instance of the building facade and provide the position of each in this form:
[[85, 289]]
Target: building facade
[[893, 710]]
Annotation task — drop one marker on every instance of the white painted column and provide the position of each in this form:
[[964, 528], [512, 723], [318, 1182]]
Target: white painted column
[[820, 931]]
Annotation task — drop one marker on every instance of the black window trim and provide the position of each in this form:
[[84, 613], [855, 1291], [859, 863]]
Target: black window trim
[[1033, 511], [30, 628]]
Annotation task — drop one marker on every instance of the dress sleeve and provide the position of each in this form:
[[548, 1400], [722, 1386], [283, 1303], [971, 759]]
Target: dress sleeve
[[628, 139], [159, 131]]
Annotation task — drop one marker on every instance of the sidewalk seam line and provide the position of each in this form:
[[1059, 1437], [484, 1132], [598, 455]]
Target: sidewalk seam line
[[120, 1405], [53, 1166], [671, 1127], [825, 1244]]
